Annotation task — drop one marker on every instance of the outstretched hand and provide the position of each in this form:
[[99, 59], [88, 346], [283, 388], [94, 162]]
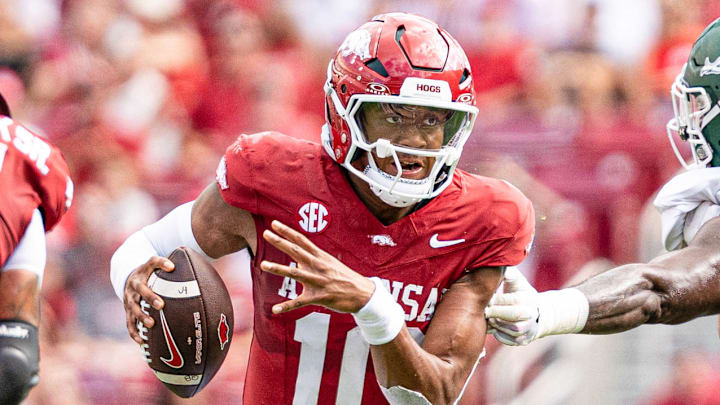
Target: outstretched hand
[[326, 280]]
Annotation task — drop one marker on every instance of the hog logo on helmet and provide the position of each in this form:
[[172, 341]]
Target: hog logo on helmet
[[223, 332], [406, 60]]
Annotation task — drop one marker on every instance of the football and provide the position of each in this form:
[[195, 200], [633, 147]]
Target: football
[[192, 333]]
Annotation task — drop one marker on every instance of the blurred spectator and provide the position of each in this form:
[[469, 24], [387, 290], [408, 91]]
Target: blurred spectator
[[681, 26], [693, 381]]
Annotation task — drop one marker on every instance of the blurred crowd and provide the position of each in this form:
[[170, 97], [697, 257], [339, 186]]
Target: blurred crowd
[[143, 97]]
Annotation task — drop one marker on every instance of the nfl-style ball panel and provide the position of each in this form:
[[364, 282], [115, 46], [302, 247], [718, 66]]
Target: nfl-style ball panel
[[192, 333]]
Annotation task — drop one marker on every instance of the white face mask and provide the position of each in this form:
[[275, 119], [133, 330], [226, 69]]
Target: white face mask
[[390, 189], [693, 111], [395, 190]]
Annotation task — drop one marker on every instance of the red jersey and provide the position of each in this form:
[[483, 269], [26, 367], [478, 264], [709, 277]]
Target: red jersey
[[313, 355], [33, 174]]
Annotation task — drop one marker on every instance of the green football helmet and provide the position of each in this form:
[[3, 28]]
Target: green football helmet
[[695, 95]]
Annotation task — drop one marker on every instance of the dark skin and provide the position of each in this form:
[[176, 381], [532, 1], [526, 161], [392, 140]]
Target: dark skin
[[438, 368], [19, 299], [673, 288]]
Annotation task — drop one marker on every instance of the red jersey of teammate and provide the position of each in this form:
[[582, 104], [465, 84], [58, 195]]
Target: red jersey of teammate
[[315, 355], [33, 174]]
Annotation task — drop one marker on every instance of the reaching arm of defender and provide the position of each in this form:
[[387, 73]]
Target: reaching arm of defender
[[208, 225], [434, 372], [673, 288]]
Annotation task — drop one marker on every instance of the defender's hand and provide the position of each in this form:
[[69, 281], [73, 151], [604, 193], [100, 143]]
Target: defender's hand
[[136, 289], [520, 317], [326, 281], [512, 316]]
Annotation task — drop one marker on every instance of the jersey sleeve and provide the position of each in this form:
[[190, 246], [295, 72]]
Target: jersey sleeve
[[56, 191], [511, 250], [234, 175]]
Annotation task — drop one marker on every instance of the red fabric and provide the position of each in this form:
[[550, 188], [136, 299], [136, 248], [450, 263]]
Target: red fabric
[[275, 177], [32, 174]]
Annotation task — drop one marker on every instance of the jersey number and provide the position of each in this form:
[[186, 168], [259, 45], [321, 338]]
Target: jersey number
[[33, 147], [312, 333]]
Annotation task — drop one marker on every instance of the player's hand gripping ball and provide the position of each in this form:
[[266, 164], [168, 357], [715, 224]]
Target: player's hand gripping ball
[[193, 331]]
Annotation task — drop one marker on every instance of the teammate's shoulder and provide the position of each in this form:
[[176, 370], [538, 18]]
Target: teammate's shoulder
[[40, 165]]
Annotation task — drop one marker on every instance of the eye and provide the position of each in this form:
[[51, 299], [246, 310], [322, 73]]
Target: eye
[[431, 121], [393, 119]]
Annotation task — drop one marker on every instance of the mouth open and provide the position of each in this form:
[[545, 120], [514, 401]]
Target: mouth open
[[411, 168]]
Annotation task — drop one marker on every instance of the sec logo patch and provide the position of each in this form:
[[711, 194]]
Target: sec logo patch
[[313, 217]]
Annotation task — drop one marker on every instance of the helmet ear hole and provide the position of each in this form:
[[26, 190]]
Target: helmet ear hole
[[465, 75]]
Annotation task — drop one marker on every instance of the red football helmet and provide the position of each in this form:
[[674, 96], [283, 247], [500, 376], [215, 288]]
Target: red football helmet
[[405, 61]]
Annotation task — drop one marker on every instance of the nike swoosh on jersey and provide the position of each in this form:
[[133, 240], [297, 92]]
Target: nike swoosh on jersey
[[435, 243], [176, 360]]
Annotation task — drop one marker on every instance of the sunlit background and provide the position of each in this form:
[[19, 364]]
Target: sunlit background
[[143, 96]]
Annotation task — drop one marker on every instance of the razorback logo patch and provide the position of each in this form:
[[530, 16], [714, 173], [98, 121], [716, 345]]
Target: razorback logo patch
[[223, 332]]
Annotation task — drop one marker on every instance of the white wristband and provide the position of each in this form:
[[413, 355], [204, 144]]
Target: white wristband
[[381, 319], [562, 311]]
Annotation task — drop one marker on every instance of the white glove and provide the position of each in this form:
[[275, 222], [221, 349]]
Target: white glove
[[521, 314], [512, 315]]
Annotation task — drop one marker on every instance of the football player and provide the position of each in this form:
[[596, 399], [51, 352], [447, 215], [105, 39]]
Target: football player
[[373, 255], [672, 288], [35, 192]]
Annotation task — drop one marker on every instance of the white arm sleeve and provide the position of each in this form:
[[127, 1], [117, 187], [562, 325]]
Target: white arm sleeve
[[30, 252], [158, 239]]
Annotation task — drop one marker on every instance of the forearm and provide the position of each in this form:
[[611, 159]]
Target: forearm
[[21, 275], [672, 289], [404, 363], [19, 299], [438, 368], [621, 299]]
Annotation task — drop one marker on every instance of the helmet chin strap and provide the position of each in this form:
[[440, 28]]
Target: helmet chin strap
[[390, 184]]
